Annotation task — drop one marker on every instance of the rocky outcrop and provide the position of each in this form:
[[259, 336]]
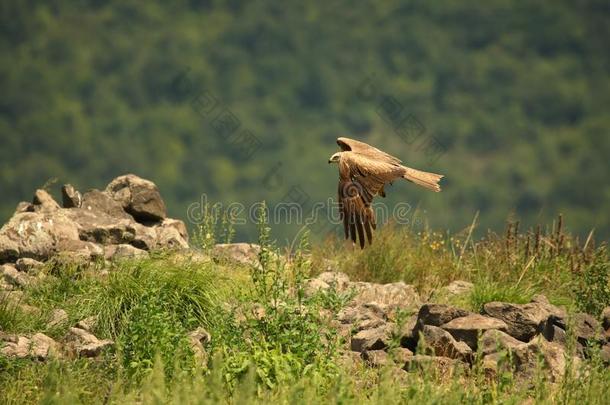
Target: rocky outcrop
[[446, 337], [97, 224]]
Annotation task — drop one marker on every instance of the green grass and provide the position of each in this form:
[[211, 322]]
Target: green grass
[[271, 344]]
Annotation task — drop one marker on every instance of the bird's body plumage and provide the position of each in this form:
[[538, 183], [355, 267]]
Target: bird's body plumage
[[363, 172]]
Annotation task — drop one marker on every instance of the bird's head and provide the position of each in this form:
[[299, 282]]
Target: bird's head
[[335, 158]]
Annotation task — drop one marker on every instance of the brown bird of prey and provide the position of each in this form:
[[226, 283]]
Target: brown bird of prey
[[363, 172]]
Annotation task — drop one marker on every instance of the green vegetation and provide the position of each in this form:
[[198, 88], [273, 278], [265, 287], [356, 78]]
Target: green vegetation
[[272, 343], [516, 92]]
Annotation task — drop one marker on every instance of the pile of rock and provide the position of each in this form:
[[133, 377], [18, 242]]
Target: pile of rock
[[446, 338], [78, 342], [125, 220]]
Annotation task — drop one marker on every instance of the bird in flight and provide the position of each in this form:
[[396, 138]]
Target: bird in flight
[[363, 172]]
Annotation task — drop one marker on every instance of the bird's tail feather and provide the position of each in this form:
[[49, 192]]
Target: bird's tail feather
[[424, 179]]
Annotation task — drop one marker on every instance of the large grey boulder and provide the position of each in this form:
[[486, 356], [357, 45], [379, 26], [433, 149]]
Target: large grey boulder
[[35, 235], [139, 197], [439, 314], [100, 201], [523, 320]]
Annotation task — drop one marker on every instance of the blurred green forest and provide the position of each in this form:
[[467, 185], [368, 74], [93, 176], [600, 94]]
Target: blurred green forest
[[516, 93]]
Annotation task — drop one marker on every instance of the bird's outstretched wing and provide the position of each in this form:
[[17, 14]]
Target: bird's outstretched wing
[[352, 145], [360, 179], [356, 212]]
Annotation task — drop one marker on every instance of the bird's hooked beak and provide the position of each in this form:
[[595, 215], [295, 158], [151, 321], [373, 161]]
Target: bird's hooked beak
[[334, 158]]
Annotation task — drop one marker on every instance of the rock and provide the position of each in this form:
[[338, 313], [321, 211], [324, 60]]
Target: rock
[[39, 347], [4, 285], [314, 286], [371, 339], [337, 280], [357, 314], [349, 360], [198, 339], [28, 265], [100, 227], [526, 357], [458, 287], [170, 237], [376, 358], [87, 324], [71, 198], [243, 253], [381, 358], [137, 196], [436, 315], [606, 318], [43, 201], [15, 346], [35, 235], [468, 328], [400, 355], [605, 354], [42, 346], [100, 202], [14, 277], [440, 343], [124, 252], [408, 333], [523, 320], [586, 328], [442, 366], [145, 237], [57, 318], [86, 344], [177, 224], [368, 324], [556, 334], [439, 314], [394, 295], [494, 364], [24, 206], [494, 340], [79, 250]]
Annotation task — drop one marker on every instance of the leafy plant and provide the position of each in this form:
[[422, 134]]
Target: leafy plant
[[592, 284]]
